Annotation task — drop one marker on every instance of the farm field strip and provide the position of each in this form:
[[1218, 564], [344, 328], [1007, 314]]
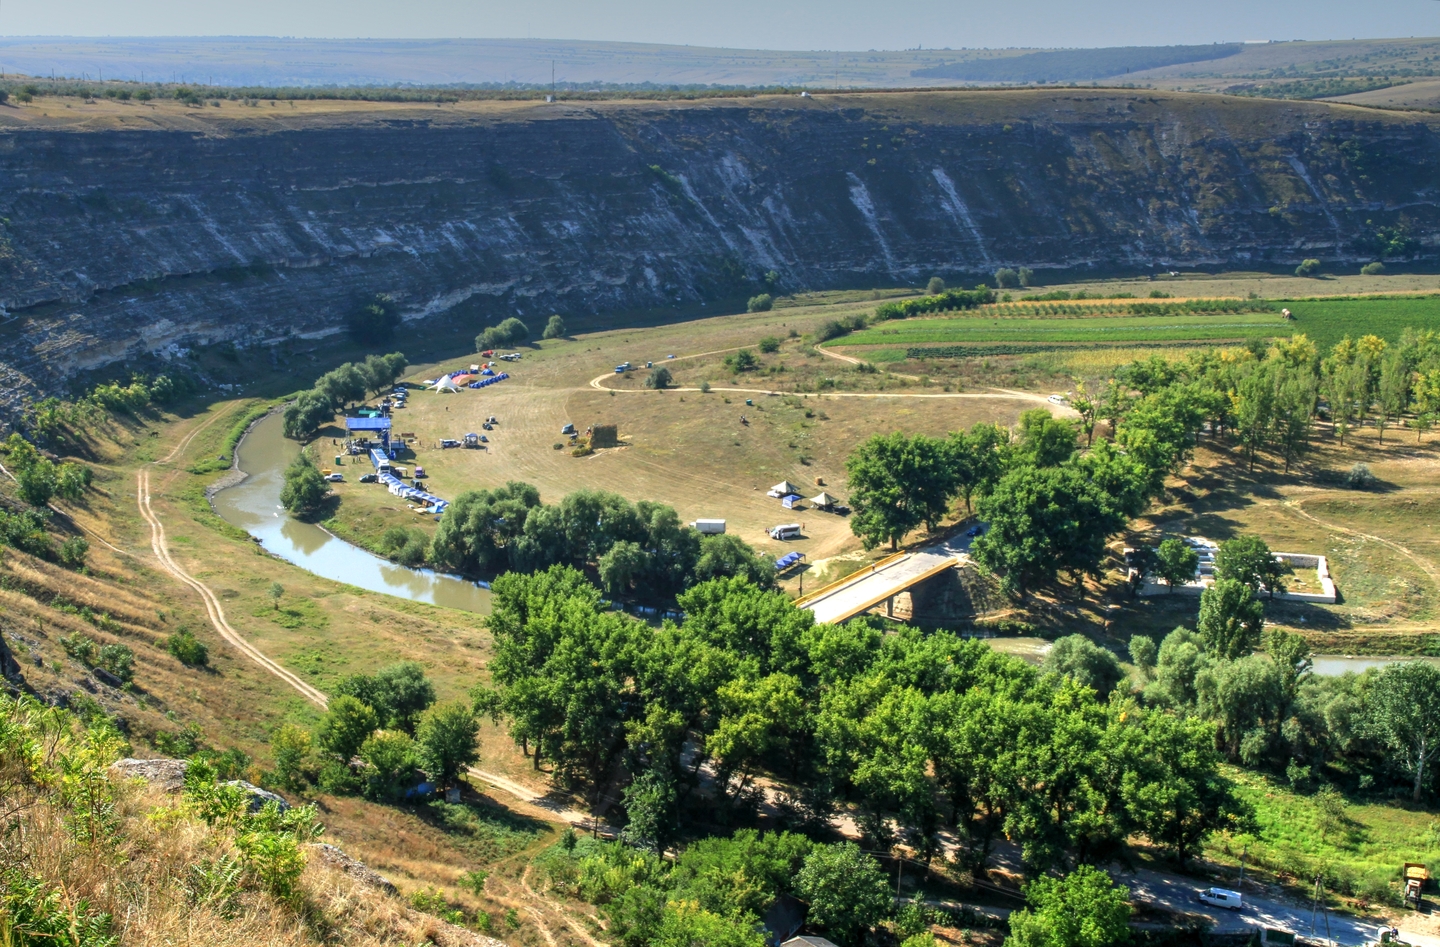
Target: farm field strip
[[1107, 328]]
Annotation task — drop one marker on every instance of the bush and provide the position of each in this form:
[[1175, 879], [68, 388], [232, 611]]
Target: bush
[[510, 332], [1006, 278], [742, 361], [187, 649], [1026, 276], [1360, 478], [935, 287], [4, 96], [73, 552], [1372, 269], [554, 329], [1309, 267], [659, 378], [769, 345], [761, 303]]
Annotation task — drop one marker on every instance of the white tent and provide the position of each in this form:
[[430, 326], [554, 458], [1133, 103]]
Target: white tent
[[783, 489], [446, 384], [823, 500]]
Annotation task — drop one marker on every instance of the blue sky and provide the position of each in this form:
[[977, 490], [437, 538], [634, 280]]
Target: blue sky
[[767, 24]]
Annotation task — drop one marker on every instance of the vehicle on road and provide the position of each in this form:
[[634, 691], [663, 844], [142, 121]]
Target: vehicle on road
[[1222, 898], [1057, 399]]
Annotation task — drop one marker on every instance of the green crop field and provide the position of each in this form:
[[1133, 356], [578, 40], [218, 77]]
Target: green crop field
[[1038, 327], [1327, 321], [1100, 329]]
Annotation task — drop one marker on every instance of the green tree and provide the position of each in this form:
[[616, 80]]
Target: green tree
[[375, 321], [769, 345], [935, 287], [479, 524], [1182, 797], [742, 361], [1006, 278], [1082, 909], [73, 552], [898, 482], [509, 332], [650, 811], [728, 555], [276, 592], [1176, 562], [390, 755], [346, 724], [761, 303], [399, 694], [304, 489], [71, 482], [1178, 663], [1394, 389], [290, 745], [304, 416], [187, 649], [1047, 440], [555, 328], [1079, 658], [1249, 560], [977, 459], [1308, 267], [621, 565], [37, 481], [659, 378], [445, 741], [1231, 619], [1403, 710], [1044, 520], [846, 890], [1143, 653]]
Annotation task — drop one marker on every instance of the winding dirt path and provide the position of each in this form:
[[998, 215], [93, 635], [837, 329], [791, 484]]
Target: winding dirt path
[[1296, 506]]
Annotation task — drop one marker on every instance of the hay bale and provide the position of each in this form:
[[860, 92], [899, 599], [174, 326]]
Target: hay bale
[[604, 435]]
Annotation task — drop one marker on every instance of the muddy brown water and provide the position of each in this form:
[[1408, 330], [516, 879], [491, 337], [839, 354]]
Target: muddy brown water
[[254, 506]]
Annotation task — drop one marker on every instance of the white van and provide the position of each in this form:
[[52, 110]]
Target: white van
[[787, 531], [709, 527], [1222, 898]]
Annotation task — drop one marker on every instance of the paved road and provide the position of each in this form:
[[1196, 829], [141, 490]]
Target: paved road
[[875, 585], [1177, 894]]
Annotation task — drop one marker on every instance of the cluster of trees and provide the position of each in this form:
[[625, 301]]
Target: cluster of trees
[[919, 732], [51, 422], [374, 323], [634, 546], [717, 890], [510, 332], [1052, 505], [353, 381], [1006, 278], [40, 479], [380, 734], [943, 301]]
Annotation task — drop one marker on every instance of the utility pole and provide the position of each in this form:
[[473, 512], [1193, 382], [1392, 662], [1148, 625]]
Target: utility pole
[[1314, 904], [1241, 880]]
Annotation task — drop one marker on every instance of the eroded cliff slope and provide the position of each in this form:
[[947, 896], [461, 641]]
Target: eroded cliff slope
[[171, 228]]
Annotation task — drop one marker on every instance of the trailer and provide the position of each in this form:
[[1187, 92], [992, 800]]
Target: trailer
[[709, 527]]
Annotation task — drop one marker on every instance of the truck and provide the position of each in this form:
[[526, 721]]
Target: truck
[[708, 527], [1415, 875]]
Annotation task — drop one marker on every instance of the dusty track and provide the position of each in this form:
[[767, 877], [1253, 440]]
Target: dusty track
[[554, 811]]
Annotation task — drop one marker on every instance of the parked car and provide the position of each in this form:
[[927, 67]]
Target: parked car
[[336, 478], [369, 478]]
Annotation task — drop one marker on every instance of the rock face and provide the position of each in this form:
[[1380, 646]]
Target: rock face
[[361, 872], [166, 775], [117, 242]]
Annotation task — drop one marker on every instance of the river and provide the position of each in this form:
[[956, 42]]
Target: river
[[254, 506]]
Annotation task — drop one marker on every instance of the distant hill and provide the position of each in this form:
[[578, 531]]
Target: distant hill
[[271, 61], [1073, 65]]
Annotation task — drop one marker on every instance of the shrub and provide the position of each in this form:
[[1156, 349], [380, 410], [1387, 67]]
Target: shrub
[[510, 332], [1309, 267], [1006, 278], [1026, 276], [769, 345], [935, 287], [659, 378], [554, 329], [742, 361], [1360, 477], [761, 303], [1372, 269], [187, 649], [4, 96], [704, 387], [73, 552]]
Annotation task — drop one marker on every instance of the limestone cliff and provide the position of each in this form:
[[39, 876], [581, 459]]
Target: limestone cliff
[[118, 240]]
